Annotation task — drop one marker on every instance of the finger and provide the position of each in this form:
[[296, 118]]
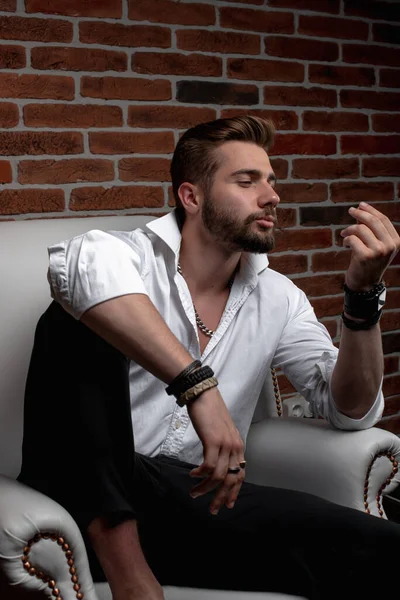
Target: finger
[[209, 463], [366, 236], [355, 244], [373, 223], [215, 478], [225, 489], [234, 492], [364, 207]]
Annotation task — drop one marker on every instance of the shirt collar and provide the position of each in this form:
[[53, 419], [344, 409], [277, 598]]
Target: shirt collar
[[166, 228]]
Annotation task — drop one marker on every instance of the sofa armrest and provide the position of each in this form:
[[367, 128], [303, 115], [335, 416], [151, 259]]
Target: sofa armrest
[[351, 468], [41, 547]]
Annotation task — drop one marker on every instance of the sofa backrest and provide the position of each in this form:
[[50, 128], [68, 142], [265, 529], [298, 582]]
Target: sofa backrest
[[24, 296]]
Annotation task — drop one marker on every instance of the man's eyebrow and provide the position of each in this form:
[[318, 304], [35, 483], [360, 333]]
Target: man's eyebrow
[[254, 173]]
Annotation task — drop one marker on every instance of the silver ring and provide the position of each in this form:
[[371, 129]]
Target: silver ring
[[234, 470]]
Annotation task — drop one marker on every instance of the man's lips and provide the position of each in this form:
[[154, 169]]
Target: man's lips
[[268, 221]]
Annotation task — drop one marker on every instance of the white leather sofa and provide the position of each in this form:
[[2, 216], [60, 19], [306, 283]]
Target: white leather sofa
[[41, 549]]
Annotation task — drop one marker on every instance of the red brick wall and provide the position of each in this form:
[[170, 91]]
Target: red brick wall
[[95, 94]]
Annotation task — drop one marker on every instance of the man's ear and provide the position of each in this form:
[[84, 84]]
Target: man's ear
[[190, 197]]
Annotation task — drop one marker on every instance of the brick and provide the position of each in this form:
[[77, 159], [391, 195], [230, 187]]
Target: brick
[[372, 9], [302, 239], [285, 387], [389, 78], [297, 143], [391, 362], [381, 167], [301, 48], [392, 299], [207, 92], [65, 171], [22, 201], [390, 321], [264, 70], [8, 5], [320, 285], [334, 121], [282, 119], [392, 424], [388, 34], [169, 11], [177, 117], [386, 122], [332, 27], [144, 169], [72, 115], [280, 167], [5, 172], [116, 198], [78, 59], [9, 115], [259, 2], [328, 307], [392, 279], [332, 327], [256, 20], [325, 168], [333, 75], [32, 29], [372, 55], [288, 264], [176, 64], [371, 144], [359, 191], [391, 385], [369, 99], [225, 42], [124, 142], [116, 34], [302, 192], [125, 88], [15, 143], [12, 57], [392, 405], [287, 217], [298, 96], [328, 6], [36, 86], [330, 261], [76, 8], [318, 216]]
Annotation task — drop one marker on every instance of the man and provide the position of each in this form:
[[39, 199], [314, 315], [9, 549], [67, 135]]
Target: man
[[192, 304]]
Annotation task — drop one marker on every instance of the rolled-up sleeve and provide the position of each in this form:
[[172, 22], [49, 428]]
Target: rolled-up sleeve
[[308, 357], [92, 268]]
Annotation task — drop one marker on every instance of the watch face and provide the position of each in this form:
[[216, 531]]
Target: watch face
[[382, 298]]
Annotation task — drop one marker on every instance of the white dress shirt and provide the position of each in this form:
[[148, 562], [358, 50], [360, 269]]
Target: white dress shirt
[[267, 322]]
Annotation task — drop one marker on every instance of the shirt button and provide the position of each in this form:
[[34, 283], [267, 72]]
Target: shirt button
[[178, 423]]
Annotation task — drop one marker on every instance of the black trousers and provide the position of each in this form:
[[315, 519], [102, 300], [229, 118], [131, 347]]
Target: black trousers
[[79, 449]]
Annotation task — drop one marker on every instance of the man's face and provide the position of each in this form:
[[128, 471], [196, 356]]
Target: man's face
[[242, 192]]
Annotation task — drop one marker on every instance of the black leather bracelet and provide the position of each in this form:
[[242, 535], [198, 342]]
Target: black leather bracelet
[[364, 305], [196, 364], [361, 325], [191, 380]]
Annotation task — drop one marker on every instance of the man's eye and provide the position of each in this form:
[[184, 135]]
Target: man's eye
[[245, 183]]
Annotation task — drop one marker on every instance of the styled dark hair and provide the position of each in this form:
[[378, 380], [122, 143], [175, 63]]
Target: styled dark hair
[[195, 159]]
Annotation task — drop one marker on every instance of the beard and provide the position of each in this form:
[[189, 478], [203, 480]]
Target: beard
[[237, 236]]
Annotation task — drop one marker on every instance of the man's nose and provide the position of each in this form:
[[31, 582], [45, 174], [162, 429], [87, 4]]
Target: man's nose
[[268, 196]]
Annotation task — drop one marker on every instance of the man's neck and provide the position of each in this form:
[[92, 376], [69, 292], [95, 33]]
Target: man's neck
[[207, 266]]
